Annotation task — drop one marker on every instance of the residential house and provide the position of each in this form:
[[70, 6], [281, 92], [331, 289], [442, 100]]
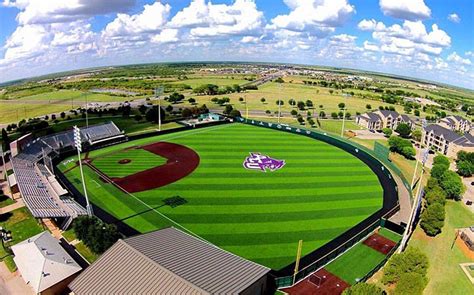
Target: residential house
[[456, 123], [381, 119], [446, 141]]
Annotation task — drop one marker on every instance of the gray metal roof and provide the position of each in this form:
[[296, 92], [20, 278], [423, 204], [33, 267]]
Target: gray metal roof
[[373, 117], [451, 136], [42, 261], [203, 266]]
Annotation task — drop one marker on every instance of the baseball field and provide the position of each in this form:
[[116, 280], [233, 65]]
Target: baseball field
[[249, 190]]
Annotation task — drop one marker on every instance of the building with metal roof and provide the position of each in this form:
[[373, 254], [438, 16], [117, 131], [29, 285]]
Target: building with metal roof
[[44, 264], [169, 261], [381, 119]]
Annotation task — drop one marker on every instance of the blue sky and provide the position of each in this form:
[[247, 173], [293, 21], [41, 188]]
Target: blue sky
[[428, 39]]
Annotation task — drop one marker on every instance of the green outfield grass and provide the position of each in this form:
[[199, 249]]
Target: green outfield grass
[[320, 193], [355, 263]]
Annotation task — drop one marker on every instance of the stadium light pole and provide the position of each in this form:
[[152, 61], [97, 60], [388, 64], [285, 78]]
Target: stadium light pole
[[416, 201], [345, 95], [279, 104], [158, 92], [78, 145]]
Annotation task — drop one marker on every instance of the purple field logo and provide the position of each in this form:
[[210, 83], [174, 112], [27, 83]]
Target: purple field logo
[[257, 161]]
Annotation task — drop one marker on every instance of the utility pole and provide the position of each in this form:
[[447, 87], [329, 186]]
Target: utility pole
[[343, 121], [279, 105], [87, 113], [78, 144]]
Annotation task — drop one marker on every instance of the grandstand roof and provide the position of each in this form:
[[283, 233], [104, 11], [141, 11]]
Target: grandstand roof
[[168, 261]]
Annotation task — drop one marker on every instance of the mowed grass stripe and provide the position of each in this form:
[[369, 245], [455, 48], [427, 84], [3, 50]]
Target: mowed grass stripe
[[283, 180], [180, 186], [169, 191], [269, 227], [270, 217], [288, 170], [287, 199], [274, 208], [288, 174]]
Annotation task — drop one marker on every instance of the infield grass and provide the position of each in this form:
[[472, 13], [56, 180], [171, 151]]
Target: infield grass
[[321, 192]]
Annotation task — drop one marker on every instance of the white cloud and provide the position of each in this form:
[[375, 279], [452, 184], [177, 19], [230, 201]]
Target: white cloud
[[319, 16], [405, 9], [454, 57], [60, 11], [453, 17], [408, 38], [204, 19], [371, 46], [151, 19], [250, 39], [469, 53]]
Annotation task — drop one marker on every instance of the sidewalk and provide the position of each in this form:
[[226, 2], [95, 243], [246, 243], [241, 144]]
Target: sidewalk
[[12, 283], [19, 204]]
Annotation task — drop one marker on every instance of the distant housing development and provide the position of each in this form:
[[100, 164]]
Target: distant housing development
[[381, 119], [456, 123], [446, 141]]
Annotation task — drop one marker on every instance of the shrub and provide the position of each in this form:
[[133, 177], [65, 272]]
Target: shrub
[[363, 289], [410, 261], [410, 284], [465, 168], [452, 185], [387, 132], [440, 159], [432, 219], [293, 112], [401, 146]]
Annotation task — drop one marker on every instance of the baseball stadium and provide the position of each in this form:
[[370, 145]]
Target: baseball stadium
[[262, 191]]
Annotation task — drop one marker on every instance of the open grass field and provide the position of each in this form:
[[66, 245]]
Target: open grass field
[[320, 193], [23, 226], [445, 275]]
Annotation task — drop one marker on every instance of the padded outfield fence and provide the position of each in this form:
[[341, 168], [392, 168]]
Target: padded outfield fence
[[323, 255]]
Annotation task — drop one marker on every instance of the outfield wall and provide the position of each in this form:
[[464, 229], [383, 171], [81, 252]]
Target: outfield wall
[[321, 256]]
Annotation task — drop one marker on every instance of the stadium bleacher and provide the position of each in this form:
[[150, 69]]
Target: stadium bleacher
[[35, 181]]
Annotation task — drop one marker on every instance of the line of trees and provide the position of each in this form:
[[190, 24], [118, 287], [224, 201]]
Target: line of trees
[[402, 146], [465, 163], [442, 184]]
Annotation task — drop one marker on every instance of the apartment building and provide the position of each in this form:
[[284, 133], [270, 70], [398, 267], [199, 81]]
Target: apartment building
[[381, 119], [456, 123], [446, 141]]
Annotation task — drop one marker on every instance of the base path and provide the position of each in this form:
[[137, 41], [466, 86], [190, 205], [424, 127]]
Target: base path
[[181, 161], [321, 282], [380, 243]]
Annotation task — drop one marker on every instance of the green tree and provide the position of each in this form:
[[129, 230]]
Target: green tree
[[368, 106], [293, 112], [438, 170], [263, 99], [432, 219], [309, 103], [465, 168], [235, 113], [191, 100], [334, 115], [301, 105], [280, 102], [416, 135], [387, 132], [341, 105], [279, 80], [410, 284], [292, 102], [5, 140], [434, 195], [440, 159], [228, 108], [138, 117], [186, 113], [322, 114], [152, 114], [410, 261], [452, 185], [404, 130], [363, 288]]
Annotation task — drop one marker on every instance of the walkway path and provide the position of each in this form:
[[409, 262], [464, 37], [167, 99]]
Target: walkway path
[[19, 204], [12, 283], [405, 202]]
